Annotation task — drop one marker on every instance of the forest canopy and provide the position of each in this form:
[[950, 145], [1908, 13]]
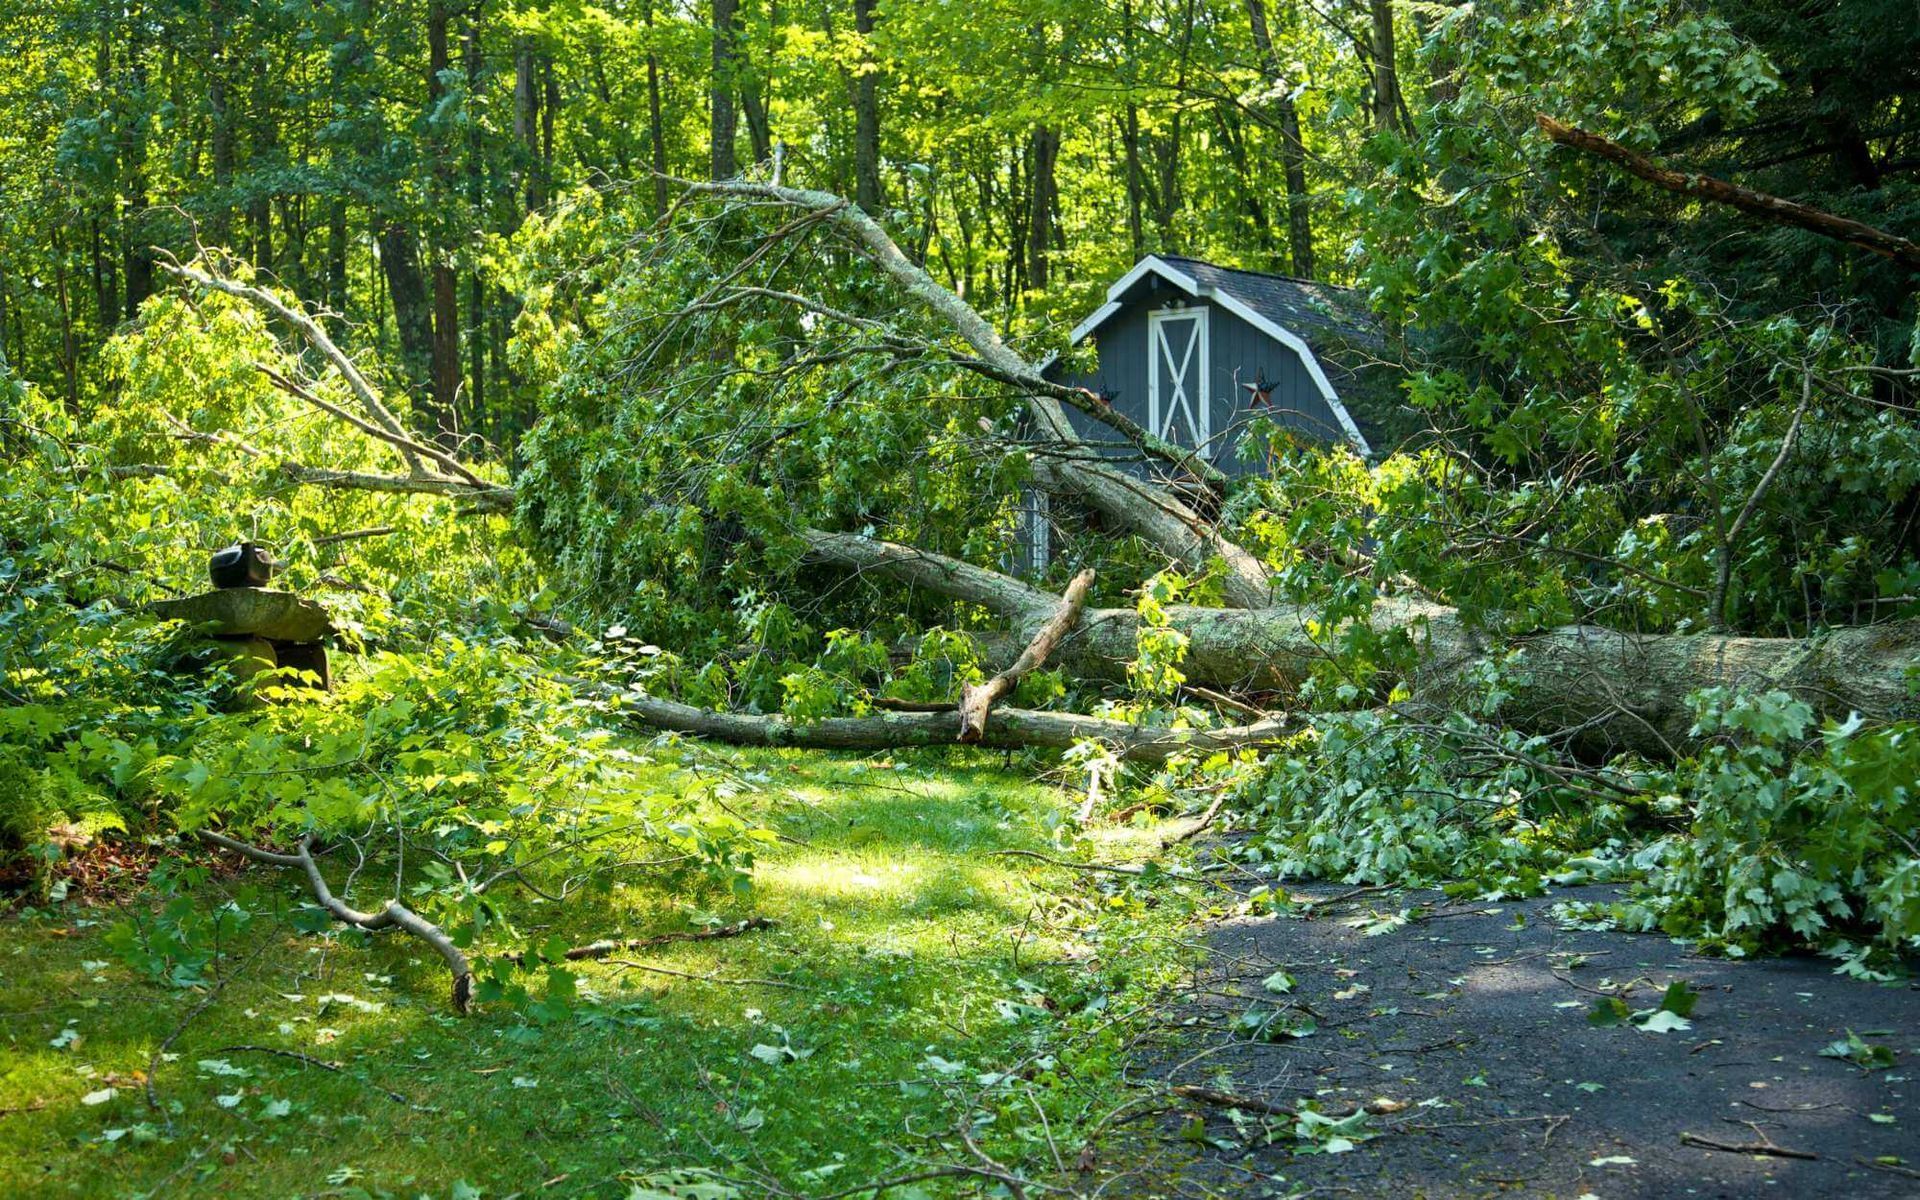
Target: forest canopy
[[631, 382]]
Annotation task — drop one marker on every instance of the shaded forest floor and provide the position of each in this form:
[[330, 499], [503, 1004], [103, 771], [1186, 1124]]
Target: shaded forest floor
[[1471, 1021], [908, 966]]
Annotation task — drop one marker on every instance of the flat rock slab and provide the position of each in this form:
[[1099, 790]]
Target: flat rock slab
[[250, 612], [1475, 1018]]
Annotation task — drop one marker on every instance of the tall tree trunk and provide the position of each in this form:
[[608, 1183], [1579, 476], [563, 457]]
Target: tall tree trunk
[[1386, 71], [412, 314], [656, 126], [337, 254], [69, 356], [1130, 138], [477, 203], [1043, 153], [549, 114], [445, 366], [1233, 135], [866, 115], [526, 123], [725, 120], [106, 288], [1293, 151], [138, 258], [220, 220]]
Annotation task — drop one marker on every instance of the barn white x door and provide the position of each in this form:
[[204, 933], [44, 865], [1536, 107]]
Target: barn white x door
[[1177, 365]]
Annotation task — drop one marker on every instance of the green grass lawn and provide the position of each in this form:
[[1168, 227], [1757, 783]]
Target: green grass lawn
[[930, 985]]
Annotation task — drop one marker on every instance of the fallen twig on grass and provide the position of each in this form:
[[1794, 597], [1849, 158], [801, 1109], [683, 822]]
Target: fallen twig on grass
[[1071, 866], [322, 1063], [611, 946], [206, 1001], [773, 983]]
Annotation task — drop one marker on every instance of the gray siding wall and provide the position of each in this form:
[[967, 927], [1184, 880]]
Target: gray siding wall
[[1239, 354]]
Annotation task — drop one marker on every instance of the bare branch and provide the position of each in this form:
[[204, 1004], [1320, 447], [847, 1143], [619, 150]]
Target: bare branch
[[406, 444], [977, 702], [1759, 204], [308, 329]]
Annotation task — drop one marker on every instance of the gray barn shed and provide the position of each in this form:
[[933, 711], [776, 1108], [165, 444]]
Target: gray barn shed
[[1197, 353]]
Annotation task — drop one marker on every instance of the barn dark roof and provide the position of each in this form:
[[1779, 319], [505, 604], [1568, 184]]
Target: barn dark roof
[[1312, 310]]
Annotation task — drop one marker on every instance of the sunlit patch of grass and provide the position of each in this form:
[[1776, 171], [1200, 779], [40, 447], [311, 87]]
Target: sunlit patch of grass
[[908, 962]]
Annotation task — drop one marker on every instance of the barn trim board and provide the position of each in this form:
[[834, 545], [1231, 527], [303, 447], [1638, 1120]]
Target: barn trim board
[[1153, 265]]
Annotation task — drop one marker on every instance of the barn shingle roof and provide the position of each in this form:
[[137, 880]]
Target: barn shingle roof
[[1312, 310]]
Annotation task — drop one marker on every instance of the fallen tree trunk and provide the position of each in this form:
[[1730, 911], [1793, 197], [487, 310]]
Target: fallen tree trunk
[[1625, 691], [1012, 728]]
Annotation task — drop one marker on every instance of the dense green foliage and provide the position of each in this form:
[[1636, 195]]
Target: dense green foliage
[[1636, 410]]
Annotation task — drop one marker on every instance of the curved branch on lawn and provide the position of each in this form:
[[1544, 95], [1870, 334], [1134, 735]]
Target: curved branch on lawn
[[1153, 512], [976, 701], [394, 915], [1013, 728]]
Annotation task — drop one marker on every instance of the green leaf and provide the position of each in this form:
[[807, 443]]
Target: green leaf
[[1679, 999]]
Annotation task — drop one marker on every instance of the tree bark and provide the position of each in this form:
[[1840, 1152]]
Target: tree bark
[[412, 308], [1628, 691], [1386, 70], [1013, 728], [1293, 151], [866, 115], [1043, 155], [526, 122], [656, 125], [725, 120], [220, 225], [1758, 204]]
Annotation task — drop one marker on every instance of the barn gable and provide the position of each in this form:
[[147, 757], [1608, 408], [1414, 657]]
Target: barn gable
[[1196, 352]]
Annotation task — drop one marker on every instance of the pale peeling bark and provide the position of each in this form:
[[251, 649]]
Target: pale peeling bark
[[392, 915], [977, 700]]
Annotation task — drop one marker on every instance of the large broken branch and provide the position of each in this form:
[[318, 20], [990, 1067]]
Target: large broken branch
[[1760, 204], [314, 336], [1148, 509], [404, 443], [1012, 728], [393, 915], [976, 701]]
